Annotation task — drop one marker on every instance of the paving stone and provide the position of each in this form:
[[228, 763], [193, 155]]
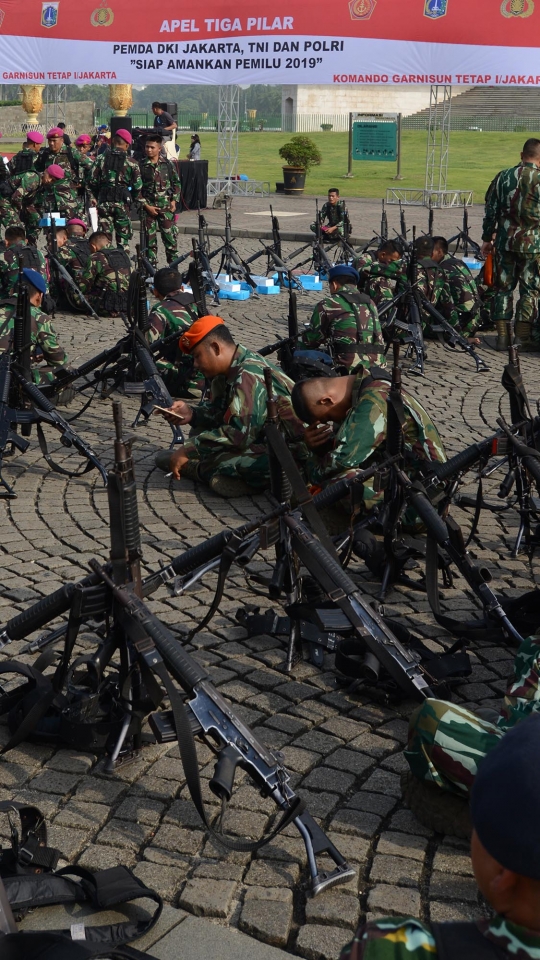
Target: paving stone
[[446, 912], [89, 816], [123, 833], [267, 918], [275, 874], [444, 886], [319, 742], [95, 790], [402, 845], [390, 899], [140, 810], [344, 728], [356, 822], [372, 803], [208, 898], [98, 857], [52, 781], [316, 942], [333, 908], [325, 778], [157, 876], [396, 870], [382, 782], [349, 760], [219, 871], [176, 841], [451, 860]]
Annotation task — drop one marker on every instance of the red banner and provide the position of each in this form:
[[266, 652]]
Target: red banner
[[386, 41]]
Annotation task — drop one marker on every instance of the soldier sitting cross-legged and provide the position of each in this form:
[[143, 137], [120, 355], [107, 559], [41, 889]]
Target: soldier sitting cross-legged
[[105, 278], [226, 447]]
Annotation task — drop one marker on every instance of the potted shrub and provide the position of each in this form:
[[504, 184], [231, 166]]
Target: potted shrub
[[327, 126], [300, 154]]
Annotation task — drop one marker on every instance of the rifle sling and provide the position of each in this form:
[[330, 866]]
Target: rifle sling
[[228, 557], [190, 763], [472, 629], [279, 448], [56, 466]]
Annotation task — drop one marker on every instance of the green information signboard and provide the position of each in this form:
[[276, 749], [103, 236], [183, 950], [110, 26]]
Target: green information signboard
[[375, 140]]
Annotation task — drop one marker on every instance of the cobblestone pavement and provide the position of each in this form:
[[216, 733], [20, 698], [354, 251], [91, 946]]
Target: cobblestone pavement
[[344, 749]]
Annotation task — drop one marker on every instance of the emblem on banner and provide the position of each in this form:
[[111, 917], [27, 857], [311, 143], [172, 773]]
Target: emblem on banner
[[517, 8], [102, 16], [435, 8], [49, 14], [361, 9]]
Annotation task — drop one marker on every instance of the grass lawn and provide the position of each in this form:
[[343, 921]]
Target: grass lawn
[[475, 158]]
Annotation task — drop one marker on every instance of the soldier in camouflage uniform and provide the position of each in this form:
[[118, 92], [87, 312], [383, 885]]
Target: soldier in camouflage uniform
[[105, 278], [227, 447], [174, 313], [115, 183], [73, 253], [17, 248], [451, 287], [75, 165], [357, 405], [335, 213], [46, 354], [348, 322], [511, 229], [54, 194], [22, 178], [160, 195], [447, 741], [505, 859], [380, 278]]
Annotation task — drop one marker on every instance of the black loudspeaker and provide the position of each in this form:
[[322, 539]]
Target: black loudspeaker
[[171, 108], [120, 123]]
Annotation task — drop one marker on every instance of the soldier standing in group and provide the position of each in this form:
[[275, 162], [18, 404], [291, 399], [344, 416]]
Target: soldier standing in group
[[105, 278], [71, 160], [22, 178], [348, 322], [45, 345], [511, 230], [334, 212], [174, 313], [160, 195], [18, 250], [115, 183]]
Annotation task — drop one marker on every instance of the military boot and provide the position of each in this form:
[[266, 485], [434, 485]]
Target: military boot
[[524, 335], [230, 487], [500, 342]]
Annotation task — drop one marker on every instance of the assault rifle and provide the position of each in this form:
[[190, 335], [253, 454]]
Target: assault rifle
[[59, 271], [203, 244], [319, 258], [449, 334], [153, 662], [403, 224], [384, 223], [447, 536], [463, 237], [142, 249], [231, 263], [412, 321], [205, 275]]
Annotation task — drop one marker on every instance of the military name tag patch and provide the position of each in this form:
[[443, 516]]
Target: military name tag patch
[[49, 14], [435, 8]]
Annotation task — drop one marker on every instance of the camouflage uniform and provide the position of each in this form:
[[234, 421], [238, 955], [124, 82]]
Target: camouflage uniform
[[115, 182], [175, 314], [9, 266], [73, 255], [349, 323], [404, 938], [227, 435], [18, 183], [381, 280], [362, 436], [59, 197], [335, 214], [76, 166], [446, 741], [105, 281], [452, 290], [44, 341], [513, 214], [160, 185]]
